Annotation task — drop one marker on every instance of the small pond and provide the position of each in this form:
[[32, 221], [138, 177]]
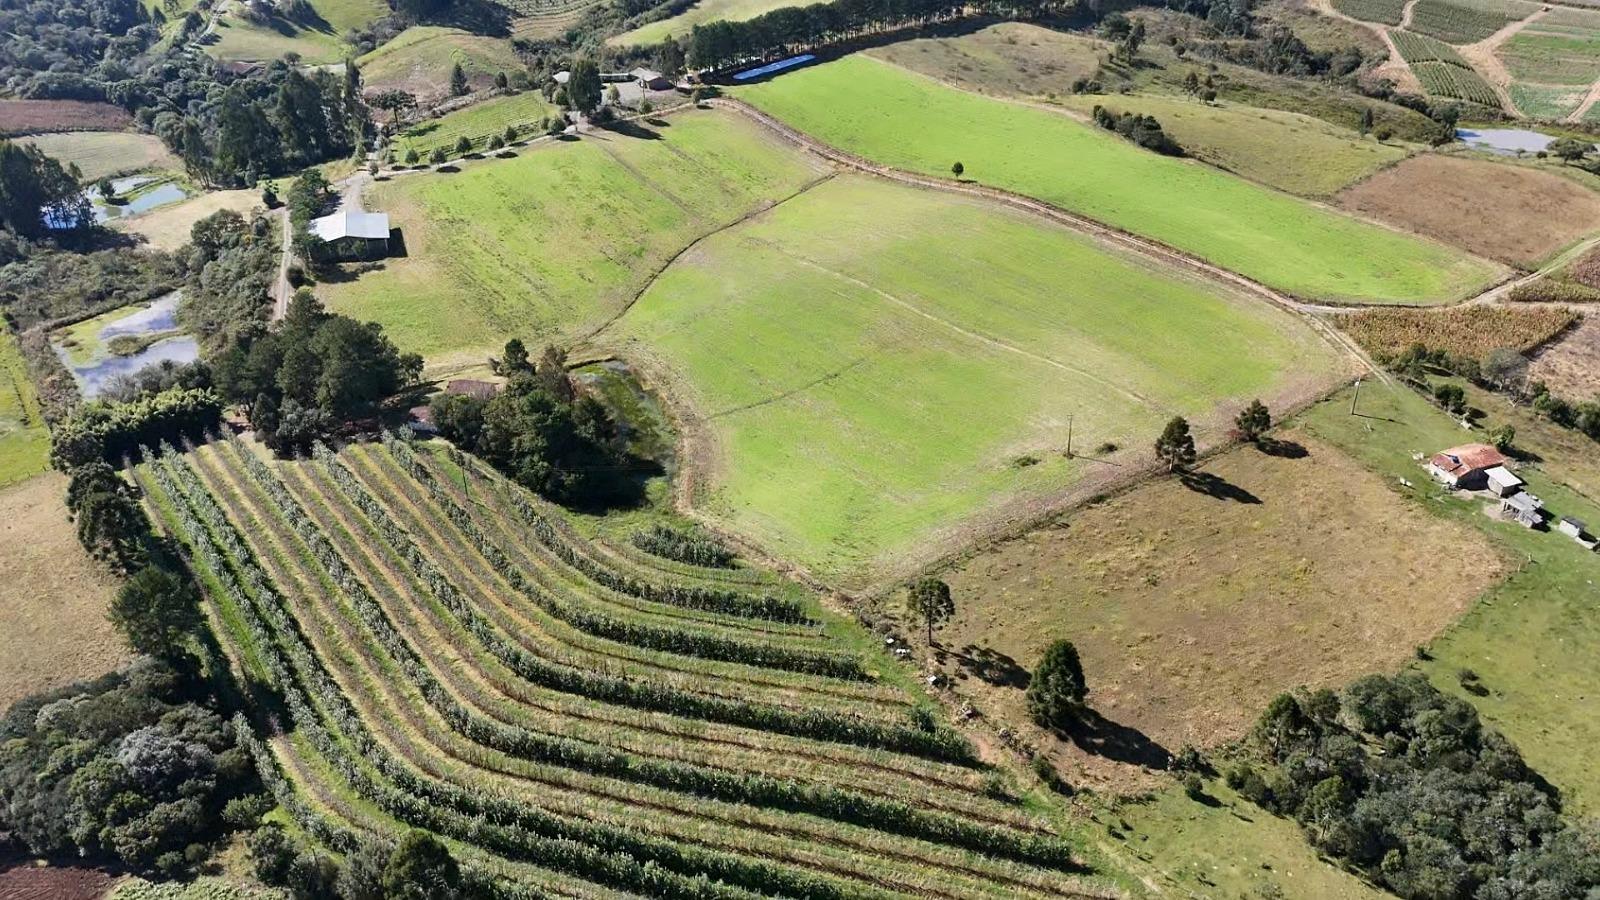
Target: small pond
[[160, 195], [93, 364], [1505, 141]]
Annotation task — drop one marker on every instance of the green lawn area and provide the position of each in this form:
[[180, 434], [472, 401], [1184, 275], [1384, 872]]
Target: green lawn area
[[901, 119], [1284, 150], [1531, 639], [549, 244], [24, 440], [420, 58], [100, 153], [700, 13], [478, 123], [873, 362], [317, 42]]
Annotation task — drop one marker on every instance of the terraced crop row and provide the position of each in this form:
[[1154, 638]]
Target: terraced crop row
[[1445, 80], [1419, 48], [1467, 21], [1389, 12], [550, 772]]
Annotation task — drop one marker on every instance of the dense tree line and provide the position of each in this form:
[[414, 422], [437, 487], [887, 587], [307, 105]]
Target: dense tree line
[[71, 48], [37, 193], [1142, 130], [111, 431], [717, 45], [313, 371], [542, 433], [127, 769], [40, 282], [1405, 783]]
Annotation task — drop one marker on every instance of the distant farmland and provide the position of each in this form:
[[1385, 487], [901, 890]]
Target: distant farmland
[[571, 718], [899, 119], [876, 367]]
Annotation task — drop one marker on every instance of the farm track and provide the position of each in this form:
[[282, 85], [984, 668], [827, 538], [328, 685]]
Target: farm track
[[319, 616], [1484, 59]]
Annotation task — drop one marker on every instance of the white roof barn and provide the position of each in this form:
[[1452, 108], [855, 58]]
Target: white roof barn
[[348, 224], [1501, 481]]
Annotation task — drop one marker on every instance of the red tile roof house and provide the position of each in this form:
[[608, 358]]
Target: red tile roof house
[[1467, 467]]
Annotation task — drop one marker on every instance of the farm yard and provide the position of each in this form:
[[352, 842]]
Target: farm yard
[[524, 111], [782, 332], [1518, 215], [1282, 242], [591, 707], [493, 244]]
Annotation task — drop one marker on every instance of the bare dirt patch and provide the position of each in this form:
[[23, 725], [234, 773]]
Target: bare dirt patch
[[1509, 213], [1571, 365], [26, 880], [32, 116], [52, 596], [1193, 605]]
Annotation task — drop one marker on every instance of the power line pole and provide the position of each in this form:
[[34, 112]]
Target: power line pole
[[1069, 437], [1354, 396]]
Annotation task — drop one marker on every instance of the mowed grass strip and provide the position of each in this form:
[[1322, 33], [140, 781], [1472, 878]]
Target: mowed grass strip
[[900, 119], [555, 241], [24, 439], [875, 362]]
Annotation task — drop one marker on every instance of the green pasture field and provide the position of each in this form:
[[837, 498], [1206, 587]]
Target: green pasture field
[[1389, 12], [24, 439], [700, 13], [1008, 59], [901, 119], [1526, 638], [1287, 151], [420, 58], [478, 123], [1467, 21], [878, 365], [241, 40], [1543, 101], [1563, 47], [100, 153], [551, 243]]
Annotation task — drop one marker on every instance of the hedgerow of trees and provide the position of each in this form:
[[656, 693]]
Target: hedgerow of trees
[[1406, 784]]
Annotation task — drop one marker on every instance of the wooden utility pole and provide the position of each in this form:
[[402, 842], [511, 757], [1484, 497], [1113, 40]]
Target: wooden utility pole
[[1354, 396], [1069, 437]]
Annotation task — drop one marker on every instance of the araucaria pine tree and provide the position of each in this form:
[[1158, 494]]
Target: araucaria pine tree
[[931, 602], [1175, 447]]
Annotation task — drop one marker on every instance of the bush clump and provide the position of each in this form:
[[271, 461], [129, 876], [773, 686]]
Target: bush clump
[[693, 547]]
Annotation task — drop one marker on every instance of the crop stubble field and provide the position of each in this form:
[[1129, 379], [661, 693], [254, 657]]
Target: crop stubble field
[[622, 727], [866, 107], [870, 362]]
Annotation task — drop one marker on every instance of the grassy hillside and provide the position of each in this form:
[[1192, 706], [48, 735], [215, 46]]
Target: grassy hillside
[[700, 13], [879, 365], [1008, 59], [574, 721], [869, 108], [555, 241], [319, 40], [420, 58], [100, 153], [477, 123]]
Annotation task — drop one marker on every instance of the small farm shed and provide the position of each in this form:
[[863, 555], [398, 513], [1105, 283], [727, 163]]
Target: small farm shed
[[650, 79], [483, 390], [420, 421], [1501, 482], [353, 235], [1466, 467], [1573, 528], [1523, 508]]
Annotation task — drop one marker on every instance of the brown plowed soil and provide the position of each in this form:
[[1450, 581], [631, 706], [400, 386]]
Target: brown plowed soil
[[34, 116]]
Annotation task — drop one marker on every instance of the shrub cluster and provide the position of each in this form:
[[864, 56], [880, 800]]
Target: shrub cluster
[[1404, 782], [109, 432], [1142, 130], [693, 547]]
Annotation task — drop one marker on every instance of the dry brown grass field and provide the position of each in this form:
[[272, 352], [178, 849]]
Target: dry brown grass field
[[1571, 365], [1192, 606], [1011, 59], [1514, 214], [101, 153], [31, 116], [167, 228], [52, 596], [1463, 330]]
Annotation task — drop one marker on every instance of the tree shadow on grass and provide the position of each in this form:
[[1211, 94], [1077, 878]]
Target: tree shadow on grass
[[481, 17], [1217, 486], [1281, 448], [633, 129], [1102, 737], [991, 666]]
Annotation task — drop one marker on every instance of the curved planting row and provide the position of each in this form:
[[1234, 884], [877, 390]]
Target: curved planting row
[[941, 744], [671, 640], [784, 794]]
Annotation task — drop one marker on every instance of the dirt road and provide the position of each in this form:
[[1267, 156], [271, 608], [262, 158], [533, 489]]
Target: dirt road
[[281, 291]]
